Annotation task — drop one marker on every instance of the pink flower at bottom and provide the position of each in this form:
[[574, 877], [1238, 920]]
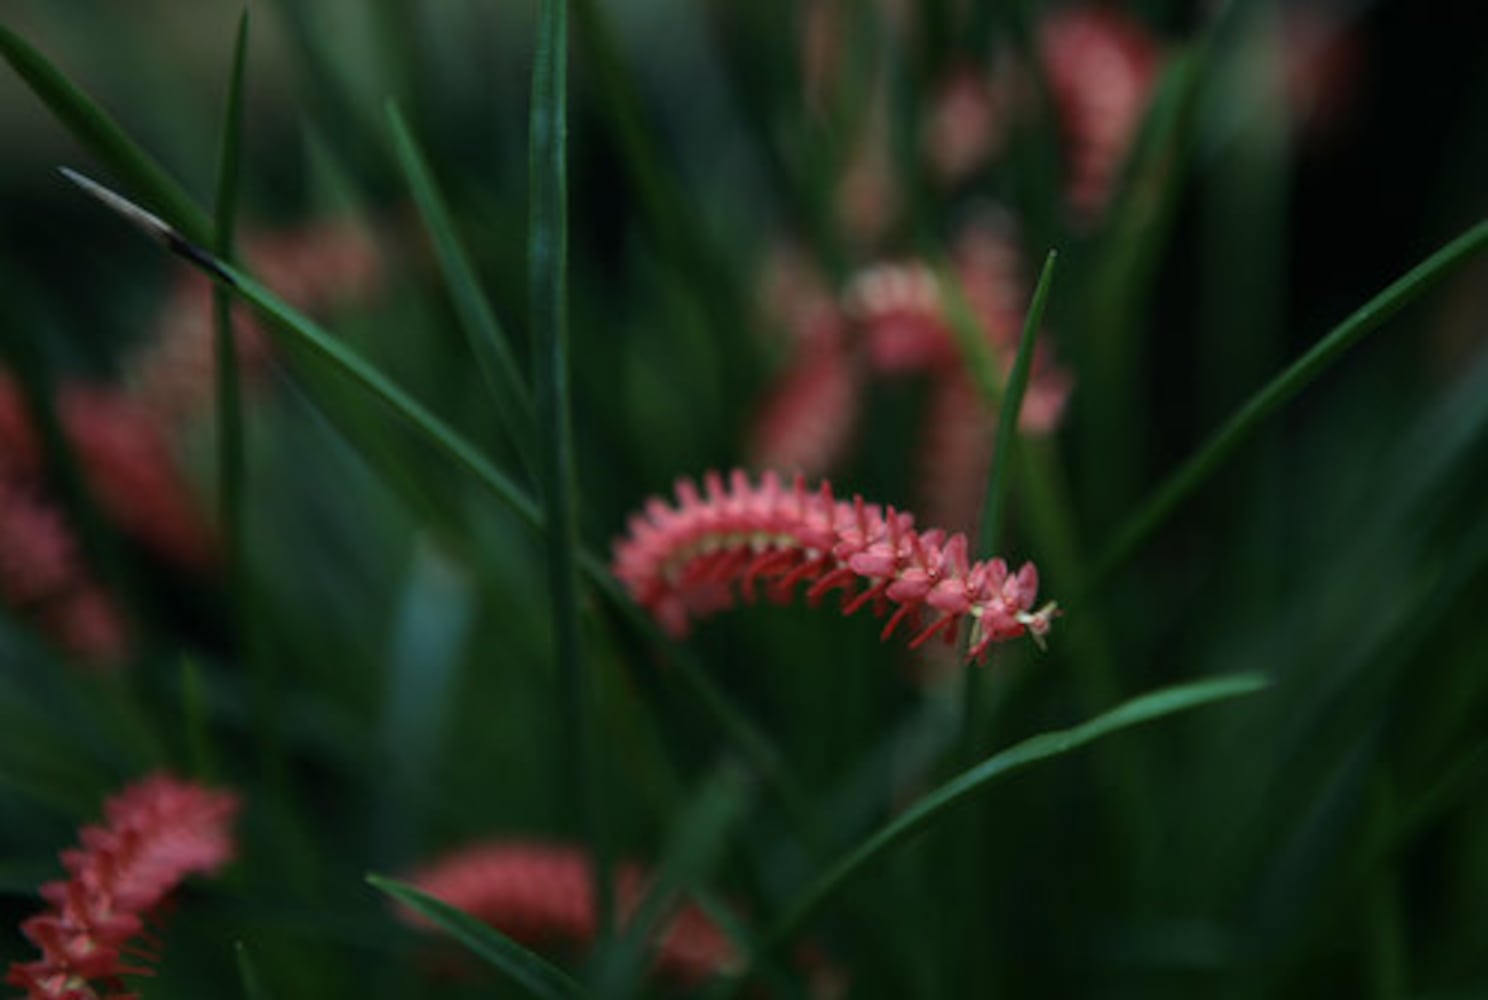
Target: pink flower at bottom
[[539, 895], [158, 831]]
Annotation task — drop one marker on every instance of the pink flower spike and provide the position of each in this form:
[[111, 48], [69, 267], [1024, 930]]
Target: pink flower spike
[[159, 831], [686, 562]]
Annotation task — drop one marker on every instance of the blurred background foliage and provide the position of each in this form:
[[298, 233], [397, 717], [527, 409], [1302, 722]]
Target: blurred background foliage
[[391, 694]]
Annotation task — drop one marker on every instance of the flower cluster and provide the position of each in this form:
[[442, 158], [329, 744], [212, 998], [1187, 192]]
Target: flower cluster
[[158, 832], [684, 561], [894, 320], [539, 894]]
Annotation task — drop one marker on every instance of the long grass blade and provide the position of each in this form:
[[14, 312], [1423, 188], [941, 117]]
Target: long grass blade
[[1276, 393], [487, 338], [229, 410], [346, 362], [1012, 406], [539, 977], [253, 987], [326, 347], [933, 807], [547, 253], [101, 135]]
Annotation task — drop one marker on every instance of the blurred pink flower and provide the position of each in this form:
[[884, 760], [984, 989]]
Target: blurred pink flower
[[1101, 68], [313, 268], [158, 832], [807, 420], [539, 895], [967, 121]]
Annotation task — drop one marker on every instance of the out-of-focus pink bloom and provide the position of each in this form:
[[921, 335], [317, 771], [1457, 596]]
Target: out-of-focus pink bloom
[[967, 124], [175, 374], [868, 200], [125, 461], [540, 895], [43, 580], [807, 421], [134, 476], [797, 300], [903, 318], [955, 453], [1101, 68], [900, 313], [1321, 60], [158, 832], [313, 268], [37, 560], [688, 560], [821, 50], [86, 621]]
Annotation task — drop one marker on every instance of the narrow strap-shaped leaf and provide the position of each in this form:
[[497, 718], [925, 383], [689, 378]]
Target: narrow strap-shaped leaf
[[1271, 397], [253, 987], [485, 334], [343, 361], [229, 411], [1012, 407], [700, 836], [101, 135], [547, 256], [539, 977], [933, 806], [194, 713], [989, 535]]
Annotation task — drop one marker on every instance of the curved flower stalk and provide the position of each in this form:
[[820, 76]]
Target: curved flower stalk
[[539, 894], [158, 832], [1101, 68], [689, 560]]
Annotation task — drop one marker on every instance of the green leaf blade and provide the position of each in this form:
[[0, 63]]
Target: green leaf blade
[[229, 406], [933, 806], [98, 132], [539, 977], [1184, 482], [547, 255], [485, 334], [1012, 407]]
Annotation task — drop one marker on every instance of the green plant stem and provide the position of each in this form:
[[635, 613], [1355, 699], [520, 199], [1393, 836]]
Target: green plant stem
[[1186, 480], [548, 262]]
